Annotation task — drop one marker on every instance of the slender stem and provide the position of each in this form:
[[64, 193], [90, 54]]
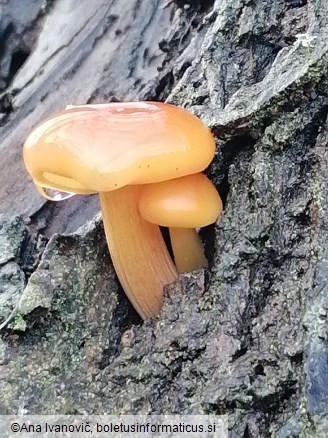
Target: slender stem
[[187, 249], [138, 251]]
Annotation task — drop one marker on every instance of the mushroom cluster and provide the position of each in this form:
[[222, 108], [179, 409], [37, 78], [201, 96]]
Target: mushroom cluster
[[145, 160]]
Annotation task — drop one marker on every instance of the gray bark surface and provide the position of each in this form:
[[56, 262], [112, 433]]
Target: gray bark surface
[[248, 337]]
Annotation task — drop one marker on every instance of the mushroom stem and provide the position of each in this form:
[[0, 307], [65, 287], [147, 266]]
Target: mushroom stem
[[187, 249], [138, 251]]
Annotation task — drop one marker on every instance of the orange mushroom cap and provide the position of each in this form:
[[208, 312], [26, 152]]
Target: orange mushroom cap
[[188, 202], [100, 148]]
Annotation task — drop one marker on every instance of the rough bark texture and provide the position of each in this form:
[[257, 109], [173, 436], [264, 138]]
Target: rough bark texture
[[248, 338]]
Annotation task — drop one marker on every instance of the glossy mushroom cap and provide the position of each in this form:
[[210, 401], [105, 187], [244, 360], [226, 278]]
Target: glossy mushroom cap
[[100, 148], [182, 204], [188, 202]]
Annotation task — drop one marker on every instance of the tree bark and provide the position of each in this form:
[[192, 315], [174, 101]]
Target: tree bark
[[249, 338]]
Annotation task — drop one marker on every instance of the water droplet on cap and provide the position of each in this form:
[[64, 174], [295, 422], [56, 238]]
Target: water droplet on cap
[[54, 195]]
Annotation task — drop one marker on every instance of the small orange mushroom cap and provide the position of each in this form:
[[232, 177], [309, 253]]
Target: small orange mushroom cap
[[188, 202], [100, 148]]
